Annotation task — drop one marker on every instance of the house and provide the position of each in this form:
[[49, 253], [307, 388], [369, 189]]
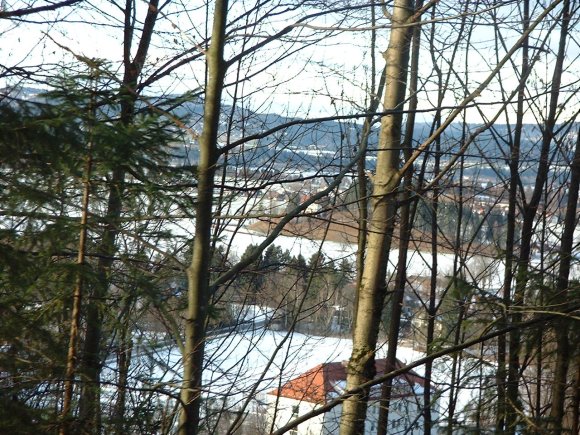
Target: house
[[325, 382]]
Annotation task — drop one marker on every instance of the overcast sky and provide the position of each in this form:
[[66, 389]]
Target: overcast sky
[[331, 76]]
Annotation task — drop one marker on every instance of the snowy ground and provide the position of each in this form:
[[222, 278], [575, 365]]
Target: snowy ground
[[487, 272], [243, 367]]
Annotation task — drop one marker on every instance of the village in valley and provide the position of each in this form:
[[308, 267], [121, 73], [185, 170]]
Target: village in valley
[[297, 300]]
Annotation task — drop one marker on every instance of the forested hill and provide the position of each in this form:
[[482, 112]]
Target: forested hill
[[331, 135], [334, 136]]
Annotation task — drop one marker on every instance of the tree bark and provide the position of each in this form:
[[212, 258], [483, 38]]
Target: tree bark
[[197, 273], [514, 407], [371, 294], [89, 403], [562, 325], [406, 224], [71, 361], [514, 163], [575, 417], [124, 353]]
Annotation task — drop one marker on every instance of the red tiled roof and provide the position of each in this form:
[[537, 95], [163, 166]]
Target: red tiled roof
[[315, 384]]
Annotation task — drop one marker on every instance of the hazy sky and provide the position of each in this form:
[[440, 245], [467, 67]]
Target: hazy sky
[[324, 78]]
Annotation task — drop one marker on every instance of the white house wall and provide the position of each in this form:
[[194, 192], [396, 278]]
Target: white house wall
[[285, 412], [404, 417]]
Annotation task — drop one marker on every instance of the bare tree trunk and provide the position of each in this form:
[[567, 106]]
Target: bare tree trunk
[[455, 369], [197, 273], [362, 188], [406, 225], [539, 371], [575, 424], [396, 306], [124, 353], [89, 404], [560, 301], [510, 231], [514, 406], [71, 360], [371, 293], [432, 303]]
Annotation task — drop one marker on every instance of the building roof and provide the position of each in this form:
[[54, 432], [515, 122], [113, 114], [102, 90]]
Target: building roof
[[325, 380]]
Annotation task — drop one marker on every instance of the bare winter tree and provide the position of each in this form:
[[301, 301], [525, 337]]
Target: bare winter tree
[[190, 229]]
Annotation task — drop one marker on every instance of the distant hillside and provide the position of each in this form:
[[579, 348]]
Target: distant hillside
[[323, 143]]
